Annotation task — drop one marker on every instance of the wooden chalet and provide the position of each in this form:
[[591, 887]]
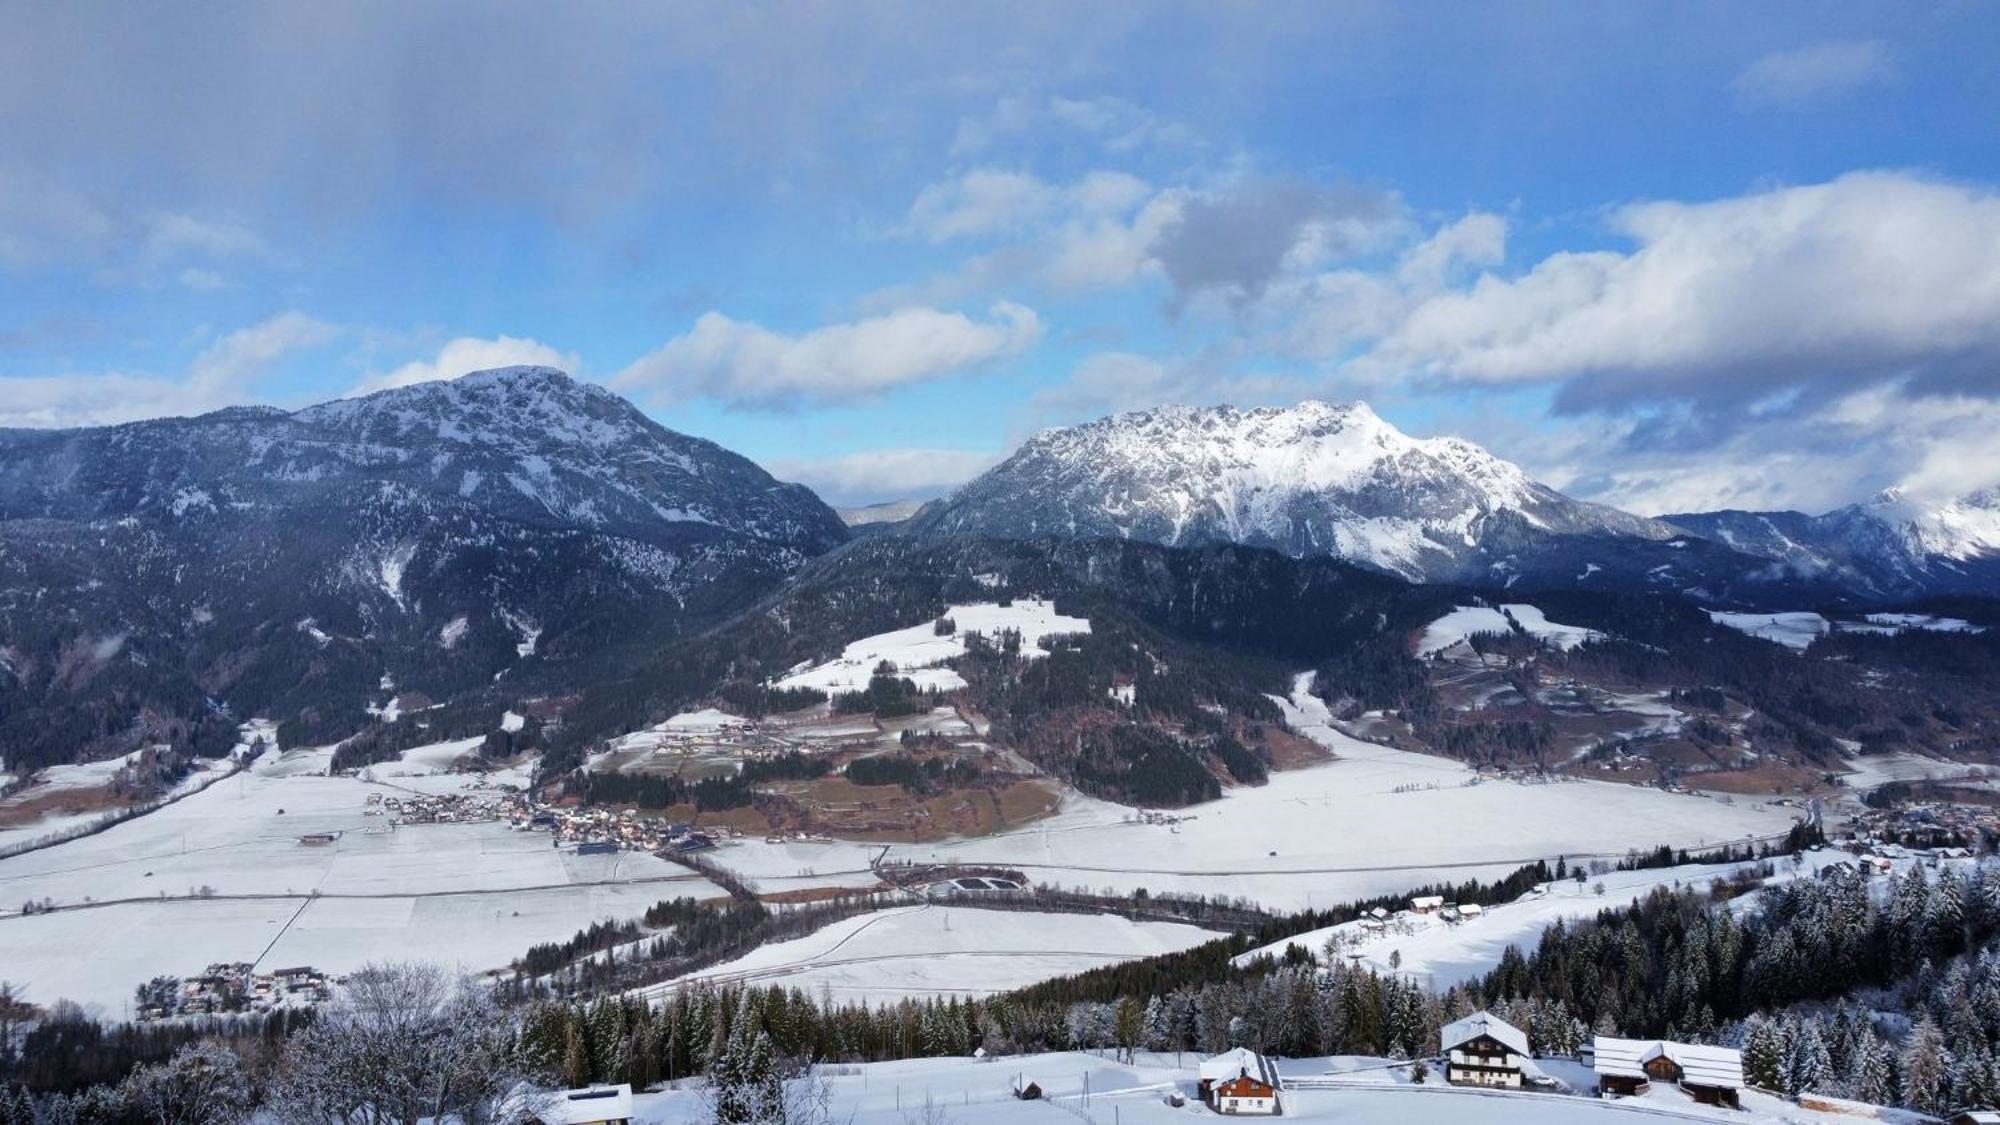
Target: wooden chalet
[[1483, 1050], [1709, 1075], [1240, 1082]]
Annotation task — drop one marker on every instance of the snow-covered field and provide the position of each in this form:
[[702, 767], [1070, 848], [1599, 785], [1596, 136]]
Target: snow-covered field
[[1799, 629], [1376, 821], [1093, 1088], [1442, 954], [1867, 771], [1465, 621], [475, 894], [918, 651], [926, 950]]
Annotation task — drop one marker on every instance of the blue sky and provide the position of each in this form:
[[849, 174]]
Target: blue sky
[[1666, 256]]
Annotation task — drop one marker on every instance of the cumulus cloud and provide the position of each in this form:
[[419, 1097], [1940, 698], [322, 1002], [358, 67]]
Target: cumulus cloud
[[467, 353], [1810, 73], [1873, 275], [223, 374], [879, 475], [746, 364]]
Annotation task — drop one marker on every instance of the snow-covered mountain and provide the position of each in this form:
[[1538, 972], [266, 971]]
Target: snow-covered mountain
[[438, 535], [1313, 479], [1890, 545]]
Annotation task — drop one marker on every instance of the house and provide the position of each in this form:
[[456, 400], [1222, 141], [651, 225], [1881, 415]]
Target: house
[[1026, 1088], [1425, 904], [592, 1105], [1240, 1082], [1470, 912], [1975, 1117], [1709, 1075], [1483, 1050]]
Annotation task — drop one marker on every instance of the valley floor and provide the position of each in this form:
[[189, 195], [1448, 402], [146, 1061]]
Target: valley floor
[[1374, 821]]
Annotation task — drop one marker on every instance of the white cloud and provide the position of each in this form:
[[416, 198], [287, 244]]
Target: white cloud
[[1477, 240], [46, 225], [878, 475], [1870, 275], [1116, 124], [747, 364], [983, 201], [223, 374], [467, 353], [1805, 74]]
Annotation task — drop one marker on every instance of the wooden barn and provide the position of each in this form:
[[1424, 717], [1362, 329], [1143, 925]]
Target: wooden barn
[[1709, 1075], [1483, 1050]]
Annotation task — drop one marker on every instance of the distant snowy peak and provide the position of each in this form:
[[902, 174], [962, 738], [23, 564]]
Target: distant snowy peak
[[1890, 545], [1313, 479], [1965, 528]]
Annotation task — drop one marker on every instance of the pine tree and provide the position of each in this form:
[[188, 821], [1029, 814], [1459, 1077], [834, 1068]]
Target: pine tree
[[1764, 1053], [1869, 1075], [1810, 1068], [1924, 1069]]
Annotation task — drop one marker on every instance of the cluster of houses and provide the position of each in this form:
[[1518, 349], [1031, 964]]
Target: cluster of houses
[[592, 831], [448, 808], [1924, 827], [232, 986], [1484, 1050]]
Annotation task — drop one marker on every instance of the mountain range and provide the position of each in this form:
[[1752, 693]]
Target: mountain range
[[518, 527]]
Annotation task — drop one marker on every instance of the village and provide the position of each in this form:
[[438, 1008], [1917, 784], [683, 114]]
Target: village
[[232, 988]]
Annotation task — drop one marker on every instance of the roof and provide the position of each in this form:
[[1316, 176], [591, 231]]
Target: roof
[[1700, 1065], [592, 1103], [1426, 902], [1484, 1023], [1237, 1063]]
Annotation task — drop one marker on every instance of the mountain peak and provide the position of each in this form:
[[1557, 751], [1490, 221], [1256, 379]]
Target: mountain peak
[[1315, 478], [514, 375]]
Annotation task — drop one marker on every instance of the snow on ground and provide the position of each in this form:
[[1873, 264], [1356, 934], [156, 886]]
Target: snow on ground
[[473, 893], [1465, 621], [708, 720], [1793, 630], [422, 761], [925, 950], [1442, 954], [84, 775], [1099, 1090], [1375, 821], [1925, 621], [1800, 629], [918, 650], [1867, 771]]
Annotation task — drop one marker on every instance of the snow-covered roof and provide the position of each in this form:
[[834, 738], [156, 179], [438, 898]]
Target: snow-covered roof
[[1427, 902], [592, 1103], [1237, 1063], [1484, 1023], [1700, 1065]]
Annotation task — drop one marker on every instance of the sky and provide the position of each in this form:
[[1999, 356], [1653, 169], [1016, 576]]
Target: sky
[[1666, 256]]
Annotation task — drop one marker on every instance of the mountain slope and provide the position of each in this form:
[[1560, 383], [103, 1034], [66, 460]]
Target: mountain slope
[[425, 539], [1889, 546], [1319, 479]]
